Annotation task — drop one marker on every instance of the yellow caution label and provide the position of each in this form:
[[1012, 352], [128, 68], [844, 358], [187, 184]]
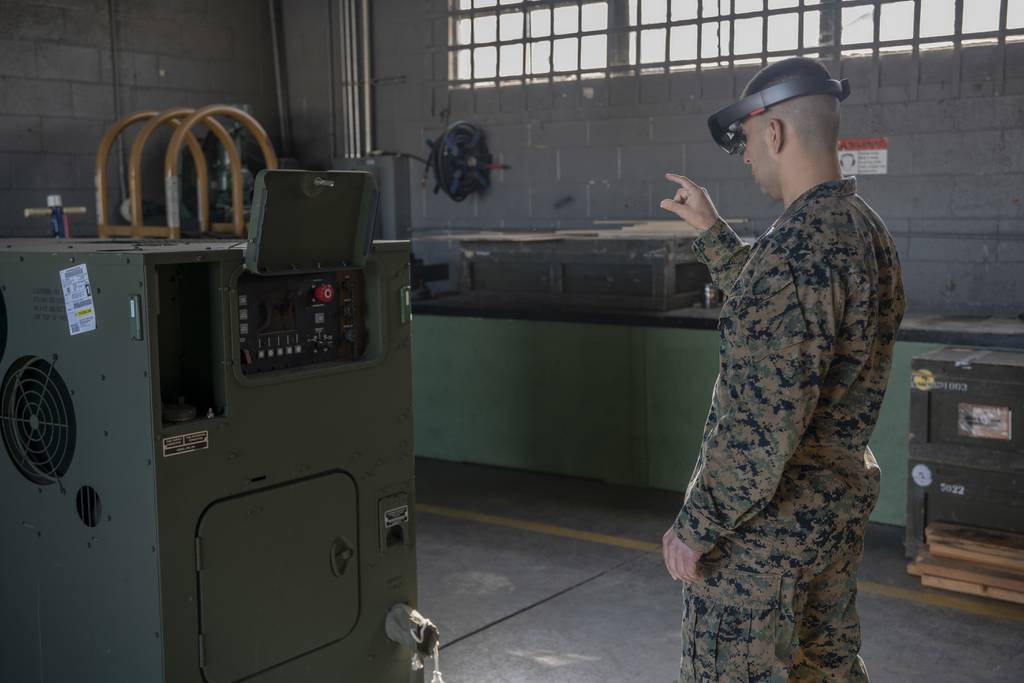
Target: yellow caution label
[[923, 380]]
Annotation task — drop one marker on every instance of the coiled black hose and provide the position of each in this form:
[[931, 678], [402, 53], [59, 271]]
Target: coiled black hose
[[462, 165]]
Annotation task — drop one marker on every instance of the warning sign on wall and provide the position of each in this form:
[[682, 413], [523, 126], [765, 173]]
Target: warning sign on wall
[[864, 156]]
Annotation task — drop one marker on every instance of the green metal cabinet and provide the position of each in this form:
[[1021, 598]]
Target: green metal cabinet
[[258, 527]]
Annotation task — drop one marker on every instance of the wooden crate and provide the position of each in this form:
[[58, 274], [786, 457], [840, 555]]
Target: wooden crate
[[975, 561]]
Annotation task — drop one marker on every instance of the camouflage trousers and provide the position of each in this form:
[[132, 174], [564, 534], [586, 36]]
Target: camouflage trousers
[[741, 626]]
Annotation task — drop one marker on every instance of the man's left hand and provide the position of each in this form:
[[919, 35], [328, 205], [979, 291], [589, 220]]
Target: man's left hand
[[680, 561]]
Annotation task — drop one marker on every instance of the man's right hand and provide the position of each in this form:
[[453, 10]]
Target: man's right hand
[[691, 203]]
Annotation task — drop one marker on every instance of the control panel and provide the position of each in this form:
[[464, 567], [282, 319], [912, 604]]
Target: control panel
[[289, 321]]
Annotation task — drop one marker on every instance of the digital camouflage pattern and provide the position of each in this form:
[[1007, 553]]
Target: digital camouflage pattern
[[785, 482]]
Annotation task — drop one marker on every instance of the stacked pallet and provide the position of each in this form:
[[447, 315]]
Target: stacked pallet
[[971, 560]]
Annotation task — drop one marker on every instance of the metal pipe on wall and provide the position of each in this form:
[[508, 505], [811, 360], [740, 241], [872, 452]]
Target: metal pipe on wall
[[115, 77], [283, 116], [338, 45], [334, 23], [352, 78], [342, 48], [367, 80]]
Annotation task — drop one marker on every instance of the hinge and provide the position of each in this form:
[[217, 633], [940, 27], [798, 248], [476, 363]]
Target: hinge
[[199, 554]]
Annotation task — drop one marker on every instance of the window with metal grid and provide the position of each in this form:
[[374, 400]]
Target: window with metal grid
[[514, 41]]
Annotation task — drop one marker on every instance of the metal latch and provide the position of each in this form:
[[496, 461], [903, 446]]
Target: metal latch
[[135, 317], [406, 304]]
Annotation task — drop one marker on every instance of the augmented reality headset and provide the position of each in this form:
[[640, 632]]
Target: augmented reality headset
[[725, 124]]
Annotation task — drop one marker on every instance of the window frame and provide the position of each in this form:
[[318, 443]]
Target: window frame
[[624, 42]]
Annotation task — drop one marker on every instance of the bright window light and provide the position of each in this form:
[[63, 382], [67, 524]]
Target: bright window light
[[540, 23], [812, 29], [463, 65], [714, 8], [858, 24], [783, 31], [897, 21], [490, 40], [654, 12], [485, 29], [1015, 15], [748, 36], [714, 39], [683, 43], [594, 16], [512, 26], [938, 18], [485, 62], [594, 52], [565, 54], [512, 60], [741, 6], [652, 46], [464, 32], [567, 20], [539, 58], [981, 16]]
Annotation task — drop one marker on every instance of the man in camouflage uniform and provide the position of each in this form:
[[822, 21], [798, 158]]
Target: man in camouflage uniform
[[770, 536]]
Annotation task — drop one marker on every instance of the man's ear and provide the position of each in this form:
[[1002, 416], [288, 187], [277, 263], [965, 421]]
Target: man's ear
[[773, 131]]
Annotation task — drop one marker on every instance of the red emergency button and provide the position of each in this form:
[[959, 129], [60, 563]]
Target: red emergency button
[[324, 294]]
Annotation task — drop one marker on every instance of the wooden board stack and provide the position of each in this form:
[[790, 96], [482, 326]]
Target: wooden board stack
[[971, 560]]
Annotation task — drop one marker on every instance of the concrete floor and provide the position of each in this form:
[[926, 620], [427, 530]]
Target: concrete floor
[[532, 606]]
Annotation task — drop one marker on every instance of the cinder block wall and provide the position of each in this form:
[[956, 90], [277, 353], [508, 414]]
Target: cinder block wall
[[57, 90], [596, 150]]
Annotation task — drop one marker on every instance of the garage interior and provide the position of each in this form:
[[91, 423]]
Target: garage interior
[[503, 414]]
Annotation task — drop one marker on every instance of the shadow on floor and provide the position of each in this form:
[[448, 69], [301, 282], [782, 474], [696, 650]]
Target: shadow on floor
[[522, 596]]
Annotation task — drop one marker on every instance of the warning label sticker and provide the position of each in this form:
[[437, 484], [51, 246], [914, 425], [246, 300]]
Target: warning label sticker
[[864, 156], [186, 443], [78, 299], [396, 516]]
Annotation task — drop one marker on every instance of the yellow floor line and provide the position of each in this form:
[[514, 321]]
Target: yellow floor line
[[548, 529], [971, 606]]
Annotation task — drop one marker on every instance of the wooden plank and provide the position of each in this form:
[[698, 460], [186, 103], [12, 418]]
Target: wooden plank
[[988, 541], [959, 570], [972, 589], [955, 552]]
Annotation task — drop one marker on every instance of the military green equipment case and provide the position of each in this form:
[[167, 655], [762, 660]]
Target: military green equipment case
[[966, 462], [207, 473]]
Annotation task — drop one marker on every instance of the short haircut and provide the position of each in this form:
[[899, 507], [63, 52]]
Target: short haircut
[[815, 118]]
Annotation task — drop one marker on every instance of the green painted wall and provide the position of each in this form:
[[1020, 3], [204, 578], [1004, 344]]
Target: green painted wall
[[620, 404]]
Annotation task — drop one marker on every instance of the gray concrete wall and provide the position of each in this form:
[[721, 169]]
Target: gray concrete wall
[[596, 150], [57, 90]]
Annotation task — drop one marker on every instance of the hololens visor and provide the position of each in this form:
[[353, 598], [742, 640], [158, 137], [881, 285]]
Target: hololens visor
[[725, 124]]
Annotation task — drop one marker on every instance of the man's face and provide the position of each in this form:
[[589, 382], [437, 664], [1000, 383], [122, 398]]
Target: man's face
[[762, 164]]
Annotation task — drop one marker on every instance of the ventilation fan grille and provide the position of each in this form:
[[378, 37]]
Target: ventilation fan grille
[[37, 420]]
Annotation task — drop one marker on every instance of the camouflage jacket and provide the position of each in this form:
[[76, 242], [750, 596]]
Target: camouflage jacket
[[785, 479]]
